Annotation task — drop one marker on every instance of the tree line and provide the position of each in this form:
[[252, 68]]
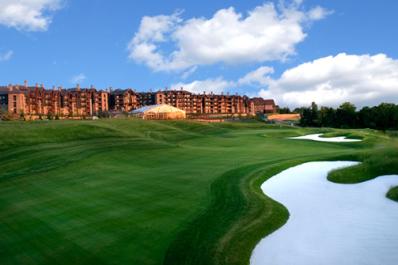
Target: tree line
[[381, 117]]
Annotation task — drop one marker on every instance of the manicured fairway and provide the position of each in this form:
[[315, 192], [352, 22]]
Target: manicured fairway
[[142, 192]]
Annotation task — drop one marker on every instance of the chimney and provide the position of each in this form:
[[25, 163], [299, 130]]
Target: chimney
[[37, 85], [25, 83], [92, 87], [78, 87], [54, 88], [42, 86]]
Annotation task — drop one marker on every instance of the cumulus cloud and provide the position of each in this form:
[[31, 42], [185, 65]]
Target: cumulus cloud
[[255, 78], [266, 33], [78, 78], [29, 15], [361, 79], [260, 76], [216, 85], [6, 56]]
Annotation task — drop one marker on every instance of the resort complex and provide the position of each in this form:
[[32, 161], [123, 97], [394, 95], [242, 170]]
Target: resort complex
[[216, 132], [33, 102]]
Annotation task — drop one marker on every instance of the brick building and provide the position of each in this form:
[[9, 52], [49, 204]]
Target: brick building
[[35, 102], [127, 100], [264, 105], [123, 100]]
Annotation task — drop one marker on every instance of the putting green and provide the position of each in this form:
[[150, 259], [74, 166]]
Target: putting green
[[147, 192]]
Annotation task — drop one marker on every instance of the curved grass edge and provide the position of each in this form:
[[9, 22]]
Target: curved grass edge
[[377, 163], [238, 217], [392, 194]]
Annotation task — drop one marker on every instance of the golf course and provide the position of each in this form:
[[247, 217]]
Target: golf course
[[129, 191]]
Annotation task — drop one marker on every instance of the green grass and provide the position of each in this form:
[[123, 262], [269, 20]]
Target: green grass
[[393, 194], [376, 163], [146, 192]]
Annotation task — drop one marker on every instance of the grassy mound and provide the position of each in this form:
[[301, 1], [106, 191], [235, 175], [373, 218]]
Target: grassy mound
[[393, 194], [146, 192], [383, 160]]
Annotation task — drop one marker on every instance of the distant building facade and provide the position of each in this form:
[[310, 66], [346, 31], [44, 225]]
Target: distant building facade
[[264, 105], [33, 102], [129, 100]]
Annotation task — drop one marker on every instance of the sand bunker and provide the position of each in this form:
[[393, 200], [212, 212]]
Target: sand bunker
[[317, 137], [330, 223]]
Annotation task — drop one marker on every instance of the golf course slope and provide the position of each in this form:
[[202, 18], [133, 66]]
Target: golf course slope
[[156, 192]]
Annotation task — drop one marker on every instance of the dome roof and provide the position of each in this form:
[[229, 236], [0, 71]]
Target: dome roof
[[160, 108]]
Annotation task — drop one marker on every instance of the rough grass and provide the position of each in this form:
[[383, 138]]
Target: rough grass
[[393, 194], [377, 163], [382, 160], [143, 192]]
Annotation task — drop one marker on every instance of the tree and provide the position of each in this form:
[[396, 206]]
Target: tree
[[386, 116], [314, 115], [327, 117], [309, 116], [346, 116], [305, 114], [382, 117], [366, 118], [284, 110]]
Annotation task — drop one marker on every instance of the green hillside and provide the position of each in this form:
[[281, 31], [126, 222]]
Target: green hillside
[[150, 192]]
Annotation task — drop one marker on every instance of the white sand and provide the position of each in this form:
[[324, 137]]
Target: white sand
[[329, 224], [317, 137]]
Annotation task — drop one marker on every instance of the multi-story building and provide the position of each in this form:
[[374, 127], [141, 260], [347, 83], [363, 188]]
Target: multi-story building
[[264, 105], [124, 100], [205, 103], [127, 100], [146, 98], [35, 102]]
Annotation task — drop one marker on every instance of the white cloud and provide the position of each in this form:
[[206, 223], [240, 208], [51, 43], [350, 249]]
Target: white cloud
[[318, 13], [189, 72], [29, 15], [6, 56], [266, 33], [361, 79], [217, 85], [329, 81], [78, 78], [257, 77]]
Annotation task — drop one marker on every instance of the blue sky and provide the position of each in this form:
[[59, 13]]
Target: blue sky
[[331, 47]]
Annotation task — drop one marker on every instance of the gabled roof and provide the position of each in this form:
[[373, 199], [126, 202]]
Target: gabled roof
[[261, 101]]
